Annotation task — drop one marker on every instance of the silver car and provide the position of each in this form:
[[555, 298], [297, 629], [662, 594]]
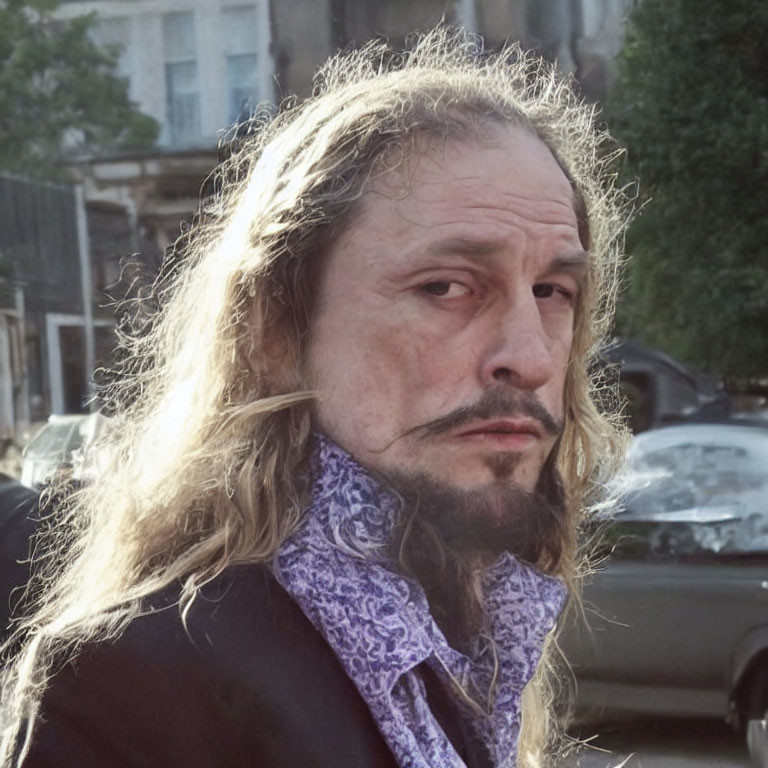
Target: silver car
[[64, 441], [678, 615]]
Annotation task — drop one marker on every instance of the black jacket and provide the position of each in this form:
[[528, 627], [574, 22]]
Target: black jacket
[[251, 684], [18, 511]]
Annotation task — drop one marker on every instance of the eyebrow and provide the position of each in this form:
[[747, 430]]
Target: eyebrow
[[575, 262]]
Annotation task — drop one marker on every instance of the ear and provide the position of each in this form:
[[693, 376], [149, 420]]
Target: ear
[[273, 353]]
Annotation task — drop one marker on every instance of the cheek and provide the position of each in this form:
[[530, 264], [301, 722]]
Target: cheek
[[387, 377], [426, 365], [399, 366], [362, 372]]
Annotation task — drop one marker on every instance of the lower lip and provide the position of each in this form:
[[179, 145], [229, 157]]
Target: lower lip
[[511, 441]]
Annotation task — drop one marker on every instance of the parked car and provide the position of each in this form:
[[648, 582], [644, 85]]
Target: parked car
[[678, 615], [63, 442]]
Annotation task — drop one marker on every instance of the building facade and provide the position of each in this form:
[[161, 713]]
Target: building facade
[[196, 66], [200, 66], [50, 340]]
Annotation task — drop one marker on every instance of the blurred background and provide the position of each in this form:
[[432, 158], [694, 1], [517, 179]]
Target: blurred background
[[113, 113]]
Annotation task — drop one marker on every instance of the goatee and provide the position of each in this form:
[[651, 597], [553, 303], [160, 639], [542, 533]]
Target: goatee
[[445, 535]]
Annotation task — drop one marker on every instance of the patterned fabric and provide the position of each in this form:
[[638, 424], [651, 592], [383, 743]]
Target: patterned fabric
[[379, 625]]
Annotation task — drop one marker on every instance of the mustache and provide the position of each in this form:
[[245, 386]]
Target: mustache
[[494, 403]]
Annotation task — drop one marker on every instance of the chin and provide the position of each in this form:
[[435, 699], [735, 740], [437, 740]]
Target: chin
[[485, 474]]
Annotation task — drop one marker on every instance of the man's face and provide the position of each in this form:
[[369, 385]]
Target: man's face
[[445, 315]]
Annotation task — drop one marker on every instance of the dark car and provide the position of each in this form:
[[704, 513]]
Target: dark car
[[678, 615]]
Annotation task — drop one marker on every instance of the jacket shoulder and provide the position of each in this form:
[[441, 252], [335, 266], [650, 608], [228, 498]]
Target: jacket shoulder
[[247, 680], [18, 519]]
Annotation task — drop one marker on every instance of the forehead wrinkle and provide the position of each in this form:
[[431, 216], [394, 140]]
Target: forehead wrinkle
[[466, 246], [492, 190], [444, 192], [498, 227], [544, 210], [418, 213], [502, 204]]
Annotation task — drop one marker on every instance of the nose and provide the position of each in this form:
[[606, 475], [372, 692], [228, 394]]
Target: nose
[[518, 351]]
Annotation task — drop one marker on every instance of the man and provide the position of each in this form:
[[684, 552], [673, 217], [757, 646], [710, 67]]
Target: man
[[336, 524]]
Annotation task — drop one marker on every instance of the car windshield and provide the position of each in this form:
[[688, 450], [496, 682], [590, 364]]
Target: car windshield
[[58, 438], [696, 490]]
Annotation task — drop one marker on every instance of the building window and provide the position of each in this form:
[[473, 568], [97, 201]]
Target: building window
[[114, 34], [241, 51], [181, 80]]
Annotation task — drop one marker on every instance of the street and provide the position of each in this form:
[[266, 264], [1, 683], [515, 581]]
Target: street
[[671, 744]]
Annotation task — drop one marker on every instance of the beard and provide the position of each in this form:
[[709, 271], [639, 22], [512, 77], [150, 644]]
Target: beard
[[445, 535]]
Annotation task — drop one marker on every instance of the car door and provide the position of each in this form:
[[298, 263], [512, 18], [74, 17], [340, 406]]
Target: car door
[[685, 580]]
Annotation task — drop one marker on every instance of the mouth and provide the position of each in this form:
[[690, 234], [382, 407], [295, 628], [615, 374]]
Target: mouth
[[512, 434]]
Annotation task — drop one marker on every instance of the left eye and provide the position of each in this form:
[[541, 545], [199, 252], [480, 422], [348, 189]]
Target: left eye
[[445, 289], [547, 290]]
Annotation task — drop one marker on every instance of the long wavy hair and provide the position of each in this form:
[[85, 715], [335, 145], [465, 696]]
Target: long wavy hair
[[207, 465]]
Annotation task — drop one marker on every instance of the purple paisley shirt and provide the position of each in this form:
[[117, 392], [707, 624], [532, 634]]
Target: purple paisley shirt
[[379, 625]]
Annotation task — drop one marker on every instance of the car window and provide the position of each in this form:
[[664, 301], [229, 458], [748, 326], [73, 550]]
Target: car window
[[51, 440], [51, 448], [696, 491]]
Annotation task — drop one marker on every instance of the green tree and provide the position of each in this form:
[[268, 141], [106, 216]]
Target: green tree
[[691, 106], [58, 93]]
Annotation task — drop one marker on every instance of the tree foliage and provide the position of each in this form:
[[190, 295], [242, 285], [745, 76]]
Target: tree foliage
[[58, 93], [691, 106]]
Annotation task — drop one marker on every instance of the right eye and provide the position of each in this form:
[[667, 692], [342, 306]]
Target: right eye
[[449, 289]]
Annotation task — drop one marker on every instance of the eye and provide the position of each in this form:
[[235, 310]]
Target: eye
[[548, 290], [448, 289]]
